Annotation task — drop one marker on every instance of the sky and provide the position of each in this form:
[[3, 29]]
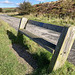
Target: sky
[[15, 3]]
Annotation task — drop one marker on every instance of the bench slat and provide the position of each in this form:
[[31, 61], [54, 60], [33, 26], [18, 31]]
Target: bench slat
[[47, 26], [49, 35], [47, 45]]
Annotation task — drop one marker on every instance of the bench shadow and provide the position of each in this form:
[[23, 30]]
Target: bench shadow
[[38, 63], [21, 50]]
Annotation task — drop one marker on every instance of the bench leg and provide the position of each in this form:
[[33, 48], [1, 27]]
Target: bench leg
[[23, 23], [63, 48]]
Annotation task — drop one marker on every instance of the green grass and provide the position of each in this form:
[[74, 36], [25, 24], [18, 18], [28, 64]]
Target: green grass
[[41, 55], [9, 64], [6, 9]]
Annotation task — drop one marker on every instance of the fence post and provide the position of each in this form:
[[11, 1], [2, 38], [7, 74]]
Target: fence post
[[63, 48]]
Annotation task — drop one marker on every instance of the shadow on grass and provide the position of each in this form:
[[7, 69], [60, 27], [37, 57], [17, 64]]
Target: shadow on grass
[[41, 57], [18, 15], [15, 15]]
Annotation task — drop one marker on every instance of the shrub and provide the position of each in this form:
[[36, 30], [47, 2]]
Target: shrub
[[0, 9], [25, 8]]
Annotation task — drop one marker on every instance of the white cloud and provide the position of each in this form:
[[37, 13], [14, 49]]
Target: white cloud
[[6, 2], [41, 0], [17, 3]]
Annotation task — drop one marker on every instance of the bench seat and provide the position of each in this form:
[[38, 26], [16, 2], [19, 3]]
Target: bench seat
[[41, 41]]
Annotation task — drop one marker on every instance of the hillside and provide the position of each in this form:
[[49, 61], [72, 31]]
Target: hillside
[[9, 10], [59, 8]]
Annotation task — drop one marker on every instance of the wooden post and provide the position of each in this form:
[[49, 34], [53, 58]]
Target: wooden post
[[63, 48], [23, 23]]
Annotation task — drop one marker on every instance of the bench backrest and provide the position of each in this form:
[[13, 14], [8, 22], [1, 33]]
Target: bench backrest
[[59, 38], [47, 26]]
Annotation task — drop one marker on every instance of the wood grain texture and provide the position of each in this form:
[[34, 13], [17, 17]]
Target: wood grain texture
[[46, 26], [23, 23]]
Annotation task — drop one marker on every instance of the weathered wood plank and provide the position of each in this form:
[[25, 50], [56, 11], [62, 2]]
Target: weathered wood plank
[[42, 42], [23, 23], [49, 35], [46, 26]]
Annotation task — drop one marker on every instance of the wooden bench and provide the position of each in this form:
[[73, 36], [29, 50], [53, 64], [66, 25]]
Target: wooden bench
[[56, 39]]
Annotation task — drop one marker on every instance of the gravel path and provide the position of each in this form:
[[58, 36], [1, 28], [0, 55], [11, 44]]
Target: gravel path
[[14, 22]]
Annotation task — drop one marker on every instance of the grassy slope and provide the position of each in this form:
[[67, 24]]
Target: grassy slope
[[8, 9], [9, 64], [60, 8]]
